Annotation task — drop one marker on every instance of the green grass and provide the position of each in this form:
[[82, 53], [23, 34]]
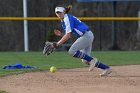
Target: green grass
[[3, 91], [63, 60], [119, 57]]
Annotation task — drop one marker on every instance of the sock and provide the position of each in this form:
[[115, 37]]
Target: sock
[[81, 55], [101, 65]]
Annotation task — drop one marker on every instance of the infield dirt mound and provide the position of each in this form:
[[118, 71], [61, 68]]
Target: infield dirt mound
[[124, 79]]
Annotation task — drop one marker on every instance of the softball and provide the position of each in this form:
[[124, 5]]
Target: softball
[[53, 69]]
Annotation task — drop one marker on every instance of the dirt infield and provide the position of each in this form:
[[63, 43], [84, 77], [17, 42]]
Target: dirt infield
[[124, 79]]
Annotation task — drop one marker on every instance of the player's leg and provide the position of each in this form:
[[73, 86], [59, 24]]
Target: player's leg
[[87, 51], [98, 63], [83, 43]]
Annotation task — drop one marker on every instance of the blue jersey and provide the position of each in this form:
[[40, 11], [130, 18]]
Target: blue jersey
[[72, 24]]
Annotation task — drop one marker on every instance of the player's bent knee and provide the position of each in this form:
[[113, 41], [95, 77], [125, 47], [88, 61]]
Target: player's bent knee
[[71, 52]]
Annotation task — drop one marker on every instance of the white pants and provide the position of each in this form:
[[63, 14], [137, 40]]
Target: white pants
[[83, 43]]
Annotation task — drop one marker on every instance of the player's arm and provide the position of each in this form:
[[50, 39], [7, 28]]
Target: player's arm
[[64, 39], [69, 27]]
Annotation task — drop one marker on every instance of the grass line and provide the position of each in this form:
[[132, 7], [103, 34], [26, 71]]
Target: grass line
[[1, 91], [62, 60]]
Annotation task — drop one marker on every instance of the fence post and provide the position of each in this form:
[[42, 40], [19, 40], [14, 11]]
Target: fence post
[[26, 46], [139, 21], [138, 32], [114, 28]]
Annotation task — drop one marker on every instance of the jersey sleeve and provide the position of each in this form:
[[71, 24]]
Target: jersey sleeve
[[69, 24]]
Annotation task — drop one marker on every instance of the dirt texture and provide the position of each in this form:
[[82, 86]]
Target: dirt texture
[[123, 79]]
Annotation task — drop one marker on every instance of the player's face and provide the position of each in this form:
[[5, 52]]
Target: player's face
[[60, 14]]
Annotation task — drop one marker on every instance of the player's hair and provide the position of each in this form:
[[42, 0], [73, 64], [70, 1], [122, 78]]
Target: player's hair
[[67, 8]]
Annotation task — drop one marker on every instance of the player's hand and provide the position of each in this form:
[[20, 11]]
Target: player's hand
[[54, 45], [49, 48], [57, 32]]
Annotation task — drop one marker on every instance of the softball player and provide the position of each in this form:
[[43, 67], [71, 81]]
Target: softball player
[[82, 47]]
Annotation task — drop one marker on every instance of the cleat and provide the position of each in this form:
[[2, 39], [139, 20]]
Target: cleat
[[92, 64], [106, 72]]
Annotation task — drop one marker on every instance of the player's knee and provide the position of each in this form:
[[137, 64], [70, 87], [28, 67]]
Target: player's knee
[[71, 52]]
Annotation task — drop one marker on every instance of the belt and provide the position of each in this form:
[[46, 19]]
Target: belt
[[86, 31]]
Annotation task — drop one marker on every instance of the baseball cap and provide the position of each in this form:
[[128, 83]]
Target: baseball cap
[[59, 9]]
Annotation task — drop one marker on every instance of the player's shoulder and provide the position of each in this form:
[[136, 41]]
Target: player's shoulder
[[69, 16]]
